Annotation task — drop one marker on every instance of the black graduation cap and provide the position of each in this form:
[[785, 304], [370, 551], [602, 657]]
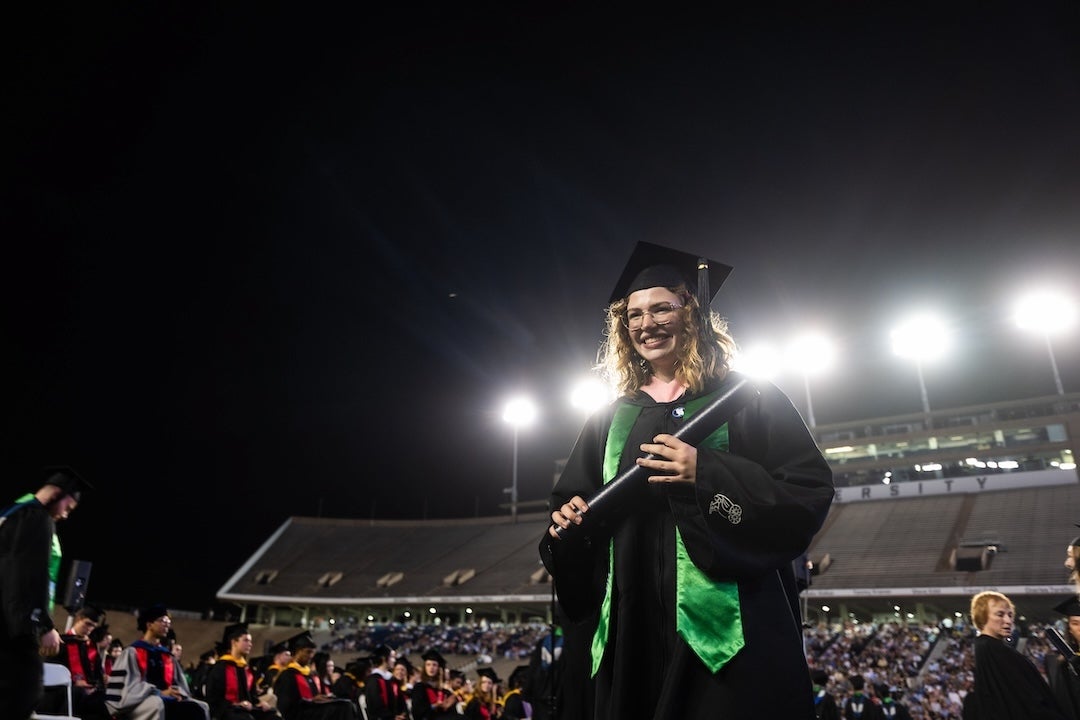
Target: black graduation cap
[[359, 667], [456, 674], [434, 654], [278, 648], [489, 673], [93, 614], [1069, 607], [298, 642], [65, 478], [232, 632], [98, 634], [1076, 540], [382, 651], [658, 266], [404, 661], [518, 677], [149, 614]]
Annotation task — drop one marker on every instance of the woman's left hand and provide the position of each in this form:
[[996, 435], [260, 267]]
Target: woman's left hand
[[676, 460]]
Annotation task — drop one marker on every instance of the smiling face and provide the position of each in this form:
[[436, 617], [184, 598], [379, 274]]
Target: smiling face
[[999, 620], [657, 343], [1074, 628]]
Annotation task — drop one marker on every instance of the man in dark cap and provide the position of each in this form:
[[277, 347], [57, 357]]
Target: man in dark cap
[[230, 685], [80, 654], [860, 706], [147, 683], [299, 693], [280, 657], [688, 592], [825, 707], [29, 568], [381, 694], [1063, 671], [514, 704], [351, 682]]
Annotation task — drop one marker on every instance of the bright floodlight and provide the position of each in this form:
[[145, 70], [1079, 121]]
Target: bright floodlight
[[760, 361], [519, 411], [1045, 311], [920, 337], [591, 394], [810, 353]]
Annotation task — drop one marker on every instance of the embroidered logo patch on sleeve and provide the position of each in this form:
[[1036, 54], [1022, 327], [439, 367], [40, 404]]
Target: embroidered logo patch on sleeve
[[723, 504]]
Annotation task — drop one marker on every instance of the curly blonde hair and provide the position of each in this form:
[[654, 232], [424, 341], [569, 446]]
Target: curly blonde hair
[[700, 358]]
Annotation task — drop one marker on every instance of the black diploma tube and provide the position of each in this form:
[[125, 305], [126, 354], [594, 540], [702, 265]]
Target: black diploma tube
[[606, 501]]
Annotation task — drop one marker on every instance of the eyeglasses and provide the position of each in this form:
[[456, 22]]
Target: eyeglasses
[[662, 314]]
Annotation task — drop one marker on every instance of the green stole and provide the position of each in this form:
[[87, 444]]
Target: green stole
[[707, 612], [55, 555]]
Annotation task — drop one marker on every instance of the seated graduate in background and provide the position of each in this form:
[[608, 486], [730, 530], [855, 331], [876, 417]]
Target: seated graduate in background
[[299, 692], [80, 655], [432, 696], [147, 683], [1063, 673], [230, 684], [685, 602]]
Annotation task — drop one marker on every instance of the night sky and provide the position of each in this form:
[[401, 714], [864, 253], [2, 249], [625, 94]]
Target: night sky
[[263, 262]]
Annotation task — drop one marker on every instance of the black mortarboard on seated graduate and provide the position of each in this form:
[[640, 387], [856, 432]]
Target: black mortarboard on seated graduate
[[359, 667], [98, 634], [434, 654], [65, 478], [278, 648], [518, 677], [149, 614], [658, 266], [231, 632], [301, 641], [382, 651], [489, 673], [1069, 607]]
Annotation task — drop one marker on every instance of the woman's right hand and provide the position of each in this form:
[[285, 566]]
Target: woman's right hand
[[569, 513]]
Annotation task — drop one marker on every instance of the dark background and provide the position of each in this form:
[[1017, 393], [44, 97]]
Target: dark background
[[267, 261]]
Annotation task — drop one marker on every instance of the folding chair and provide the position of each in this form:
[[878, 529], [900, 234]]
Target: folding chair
[[57, 675]]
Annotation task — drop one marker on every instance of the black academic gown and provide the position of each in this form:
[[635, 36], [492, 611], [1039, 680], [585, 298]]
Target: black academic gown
[[1008, 687], [861, 707], [227, 685], [26, 534], [1064, 685], [825, 707], [774, 472], [296, 691], [425, 703]]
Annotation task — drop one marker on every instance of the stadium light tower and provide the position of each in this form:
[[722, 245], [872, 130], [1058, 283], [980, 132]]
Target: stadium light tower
[[810, 354], [519, 412], [1046, 312], [921, 338]]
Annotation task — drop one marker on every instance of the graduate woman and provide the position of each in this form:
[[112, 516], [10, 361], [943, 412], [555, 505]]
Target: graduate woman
[[687, 592], [1007, 684]]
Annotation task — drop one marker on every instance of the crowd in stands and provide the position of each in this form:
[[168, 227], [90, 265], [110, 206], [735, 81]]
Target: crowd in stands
[[484, 641], [926, 668]]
